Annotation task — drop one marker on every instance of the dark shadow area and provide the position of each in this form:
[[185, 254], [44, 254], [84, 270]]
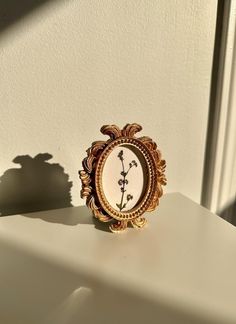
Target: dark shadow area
[[66, 216], [101, 226], [223, 10], [229, 213], [12, 11], [37, 185]]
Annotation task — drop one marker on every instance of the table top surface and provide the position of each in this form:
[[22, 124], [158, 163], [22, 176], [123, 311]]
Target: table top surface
[[185, 254]]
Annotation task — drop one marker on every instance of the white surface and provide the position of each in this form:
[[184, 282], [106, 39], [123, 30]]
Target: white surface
[[72, 66], [180, 269]]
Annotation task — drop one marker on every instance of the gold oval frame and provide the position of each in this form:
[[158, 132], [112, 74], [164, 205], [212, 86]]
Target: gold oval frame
[[91, 177], [151, 183]]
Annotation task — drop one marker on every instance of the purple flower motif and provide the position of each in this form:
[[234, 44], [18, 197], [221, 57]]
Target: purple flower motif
[[135, 163], [123, 182], [129, 197], [120, 155]]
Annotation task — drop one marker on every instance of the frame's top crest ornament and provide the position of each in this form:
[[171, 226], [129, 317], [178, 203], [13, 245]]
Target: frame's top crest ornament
[[146, 161]]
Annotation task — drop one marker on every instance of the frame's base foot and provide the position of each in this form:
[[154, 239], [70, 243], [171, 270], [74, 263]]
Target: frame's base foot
[[139, 222], [119, 226]]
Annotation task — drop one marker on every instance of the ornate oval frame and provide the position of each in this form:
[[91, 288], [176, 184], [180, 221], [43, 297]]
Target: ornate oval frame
[[91, 177]]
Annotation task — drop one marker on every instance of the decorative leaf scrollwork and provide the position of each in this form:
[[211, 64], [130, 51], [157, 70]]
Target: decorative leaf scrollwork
[[131, 129], [115, 132], [111, 130], [86, 188], [92, 188], [93, 155], [97, 212], [160, 169]]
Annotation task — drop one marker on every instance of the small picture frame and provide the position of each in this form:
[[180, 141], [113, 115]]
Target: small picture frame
[[122, 177]]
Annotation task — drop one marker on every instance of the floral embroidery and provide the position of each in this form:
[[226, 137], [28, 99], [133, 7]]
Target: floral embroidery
[[124, 182]]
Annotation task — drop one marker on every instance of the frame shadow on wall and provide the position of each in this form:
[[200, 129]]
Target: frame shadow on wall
[[37, 185]]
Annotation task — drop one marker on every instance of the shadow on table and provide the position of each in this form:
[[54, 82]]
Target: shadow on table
[[70, 216], [66, 216]]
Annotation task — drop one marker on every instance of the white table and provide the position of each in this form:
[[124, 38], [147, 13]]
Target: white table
[[59, 267]]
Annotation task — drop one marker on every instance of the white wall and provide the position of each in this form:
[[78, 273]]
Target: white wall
[[72, 66]]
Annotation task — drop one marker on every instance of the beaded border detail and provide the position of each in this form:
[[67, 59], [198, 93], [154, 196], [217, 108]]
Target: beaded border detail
[[91, 177]]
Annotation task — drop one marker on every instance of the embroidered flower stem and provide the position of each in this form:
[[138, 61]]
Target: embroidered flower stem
[[123, 182]]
